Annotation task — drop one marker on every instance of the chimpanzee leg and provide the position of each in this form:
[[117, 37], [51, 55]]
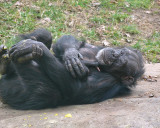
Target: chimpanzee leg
[[44, 83], [29, 88], [48, 63]]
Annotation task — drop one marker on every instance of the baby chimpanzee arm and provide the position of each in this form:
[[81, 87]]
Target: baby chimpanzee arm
[[67, 50], [64, 43]]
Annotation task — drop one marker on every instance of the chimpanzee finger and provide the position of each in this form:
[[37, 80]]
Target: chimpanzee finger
[[80, 66], [66, 65], [36, 51], [71, 69], [12, 50], [25, 58], [86, 69], [17, 53], [18, 45], [76, 67], [80, 56], [39, 51]]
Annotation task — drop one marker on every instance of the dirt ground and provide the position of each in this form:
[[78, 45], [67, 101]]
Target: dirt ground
[[140, 109]]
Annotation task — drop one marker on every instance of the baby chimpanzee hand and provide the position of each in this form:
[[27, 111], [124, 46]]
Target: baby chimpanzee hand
[[72, 59]]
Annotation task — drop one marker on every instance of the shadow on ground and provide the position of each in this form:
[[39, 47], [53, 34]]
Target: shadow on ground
[[141, 109]]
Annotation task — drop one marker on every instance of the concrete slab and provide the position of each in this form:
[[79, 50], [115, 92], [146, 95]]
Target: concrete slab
[[140, 109]]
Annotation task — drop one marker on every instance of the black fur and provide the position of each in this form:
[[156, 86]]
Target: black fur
[[44, 82]]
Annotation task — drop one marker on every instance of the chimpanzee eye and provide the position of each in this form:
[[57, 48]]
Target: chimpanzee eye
[[112, 52], [121, 53]]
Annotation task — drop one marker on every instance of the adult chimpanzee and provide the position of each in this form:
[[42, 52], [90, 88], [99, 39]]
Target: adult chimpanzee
[[78, 73]]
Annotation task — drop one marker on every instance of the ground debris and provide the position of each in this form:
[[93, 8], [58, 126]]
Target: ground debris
[[149, 78], [96, 4], [68, 115], [151, 95]]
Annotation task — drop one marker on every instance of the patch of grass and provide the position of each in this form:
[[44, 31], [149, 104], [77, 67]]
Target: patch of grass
[[150, 47], [98, 20], [140, 3], [118, 17], [114, 33], [91, 34], [132, 29], [81, 3], [126, 4], [116, 43], [108, 20]]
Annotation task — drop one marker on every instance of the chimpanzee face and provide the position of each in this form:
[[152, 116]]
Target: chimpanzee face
[[127, 59]]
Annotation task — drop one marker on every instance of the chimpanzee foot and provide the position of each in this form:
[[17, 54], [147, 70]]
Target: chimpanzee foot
[[36, 53], [4, 59], [25, 51]]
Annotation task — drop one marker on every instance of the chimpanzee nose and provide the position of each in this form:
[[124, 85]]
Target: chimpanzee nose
[[116, 53]]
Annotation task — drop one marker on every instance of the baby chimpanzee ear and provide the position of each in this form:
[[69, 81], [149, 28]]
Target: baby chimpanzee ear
[[127, 80]]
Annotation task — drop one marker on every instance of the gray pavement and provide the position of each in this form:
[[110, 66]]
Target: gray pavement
[[141, 109]]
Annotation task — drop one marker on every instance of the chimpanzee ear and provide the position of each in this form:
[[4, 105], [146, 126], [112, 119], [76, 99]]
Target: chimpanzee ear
[[33, 38], [128, 80]]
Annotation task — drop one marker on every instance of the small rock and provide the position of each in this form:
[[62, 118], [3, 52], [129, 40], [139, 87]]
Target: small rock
[[18, 3], [105, 43], [127, 35], [151, 95], [96, 4], [133, 17], [148, 12], [127, 4], [50, 4], [52, 121], [45, 20], [128, 40]]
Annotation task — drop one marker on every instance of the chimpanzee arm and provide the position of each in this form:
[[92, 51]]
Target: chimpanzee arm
[[67, 50]]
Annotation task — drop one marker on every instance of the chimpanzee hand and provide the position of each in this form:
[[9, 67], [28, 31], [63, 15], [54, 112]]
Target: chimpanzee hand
[[72, 59], [25, 50]]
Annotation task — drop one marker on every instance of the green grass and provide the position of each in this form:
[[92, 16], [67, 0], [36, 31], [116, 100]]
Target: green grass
[[118, 17], [139, 3], [109, 20], [132, 29], [150, 47]]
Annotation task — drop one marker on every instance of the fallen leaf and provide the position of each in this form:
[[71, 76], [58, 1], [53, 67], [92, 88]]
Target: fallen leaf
[[45, 118], [56, 114], [68, 115]]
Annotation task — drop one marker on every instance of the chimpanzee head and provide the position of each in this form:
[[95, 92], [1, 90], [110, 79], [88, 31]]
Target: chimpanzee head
[[41, 35], [125, 63]]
